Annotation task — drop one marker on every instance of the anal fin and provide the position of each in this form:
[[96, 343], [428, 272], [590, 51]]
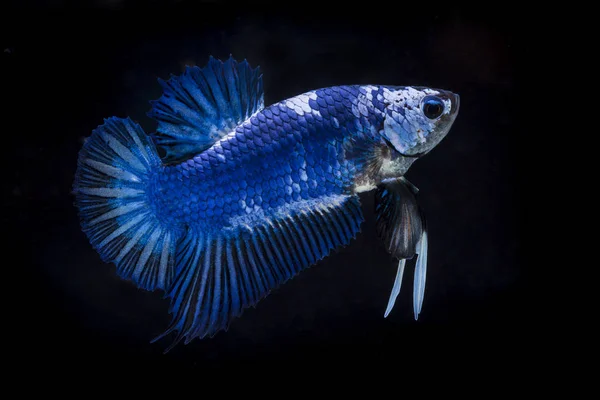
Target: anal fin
[[220, 273]]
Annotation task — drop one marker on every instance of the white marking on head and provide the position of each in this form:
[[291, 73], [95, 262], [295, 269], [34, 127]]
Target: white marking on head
[[407, 127]]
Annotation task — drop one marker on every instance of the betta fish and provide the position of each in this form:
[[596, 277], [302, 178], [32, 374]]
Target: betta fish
[[229, 199]]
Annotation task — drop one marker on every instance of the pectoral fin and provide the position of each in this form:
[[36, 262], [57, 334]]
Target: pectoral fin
[[401, 225]]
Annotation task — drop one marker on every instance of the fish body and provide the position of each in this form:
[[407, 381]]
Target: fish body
[[246, 196], [309, 147], [294, 151]]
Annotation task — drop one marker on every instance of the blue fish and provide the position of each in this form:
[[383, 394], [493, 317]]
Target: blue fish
[[229, 199]]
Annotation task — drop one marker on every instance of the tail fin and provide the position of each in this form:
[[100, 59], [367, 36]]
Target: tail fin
[[115, 208]]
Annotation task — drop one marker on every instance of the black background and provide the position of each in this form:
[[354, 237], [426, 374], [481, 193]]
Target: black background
[[68, 69]]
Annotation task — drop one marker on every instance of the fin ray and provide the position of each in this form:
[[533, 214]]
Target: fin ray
[[396, 287], [420, 275]]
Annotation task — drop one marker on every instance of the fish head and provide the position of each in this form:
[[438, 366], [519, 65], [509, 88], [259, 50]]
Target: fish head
[[416, 119]]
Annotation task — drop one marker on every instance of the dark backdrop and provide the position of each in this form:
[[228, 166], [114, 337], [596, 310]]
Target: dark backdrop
[[66, 71]]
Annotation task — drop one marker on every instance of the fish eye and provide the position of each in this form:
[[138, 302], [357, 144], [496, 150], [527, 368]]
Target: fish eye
[[433, 107]]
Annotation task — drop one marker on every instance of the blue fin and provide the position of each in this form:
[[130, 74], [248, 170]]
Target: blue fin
[[220, 274], [401, 225], [202, 105], [110, 192]]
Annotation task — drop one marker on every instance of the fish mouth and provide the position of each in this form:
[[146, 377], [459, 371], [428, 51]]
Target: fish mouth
[[416, 155], [455, 104]]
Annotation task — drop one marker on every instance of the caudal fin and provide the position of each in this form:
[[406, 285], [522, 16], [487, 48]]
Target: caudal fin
[[115, 208]]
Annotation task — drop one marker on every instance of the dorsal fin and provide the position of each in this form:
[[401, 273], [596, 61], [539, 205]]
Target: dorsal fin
[[202, 105]]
